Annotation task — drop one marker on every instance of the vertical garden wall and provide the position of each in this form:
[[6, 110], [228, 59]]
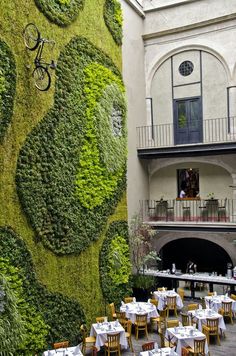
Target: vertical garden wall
[[62, 172]]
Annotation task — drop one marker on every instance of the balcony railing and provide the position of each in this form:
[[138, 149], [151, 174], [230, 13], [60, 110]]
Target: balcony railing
[[189, 210], [214, 131]]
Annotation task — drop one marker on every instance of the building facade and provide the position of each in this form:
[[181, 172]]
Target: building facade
[[179, 67]]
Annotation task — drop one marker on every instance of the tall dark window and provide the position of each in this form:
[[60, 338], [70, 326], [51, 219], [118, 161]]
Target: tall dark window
[[188, 180]]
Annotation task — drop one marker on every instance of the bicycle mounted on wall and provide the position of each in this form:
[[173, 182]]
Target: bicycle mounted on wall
[[33, 41]]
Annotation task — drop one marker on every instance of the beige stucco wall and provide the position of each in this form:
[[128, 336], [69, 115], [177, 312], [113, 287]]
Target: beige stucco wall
[[133, 75], [212, 179]]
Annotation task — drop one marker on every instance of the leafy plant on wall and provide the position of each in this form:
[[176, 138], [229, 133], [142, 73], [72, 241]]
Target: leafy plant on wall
[[113, 19], [61, 12], [42, 317], [7, 87], [71, 171], [115, 265]]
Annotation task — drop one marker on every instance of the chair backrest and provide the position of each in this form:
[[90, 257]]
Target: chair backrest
[[61, 344], [100, 319], [192, 306], [84, 331], [171, 301], [112, 307], [148, 346], [210, 294], [233, 296], [181, 293], [160, 289], [213, 324], [172, 323], [199, 345], [128, 300], [153, 301], [129, 326], [227, 307], [121, 316], [185, 319], [141, 319], [163, 314], [113, 340]]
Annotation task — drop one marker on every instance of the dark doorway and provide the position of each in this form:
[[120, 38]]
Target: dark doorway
[[207, 255], [188, 120]]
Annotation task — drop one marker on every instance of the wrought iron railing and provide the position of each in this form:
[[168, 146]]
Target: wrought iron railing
[[214, 131], [189, 210]]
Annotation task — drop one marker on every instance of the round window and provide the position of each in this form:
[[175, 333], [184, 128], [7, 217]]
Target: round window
[[186, 68]]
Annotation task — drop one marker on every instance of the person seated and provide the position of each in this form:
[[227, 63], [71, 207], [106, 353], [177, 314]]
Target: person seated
[[191, 267]]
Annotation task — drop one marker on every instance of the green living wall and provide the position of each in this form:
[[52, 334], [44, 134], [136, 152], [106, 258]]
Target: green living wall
[[63, 169]]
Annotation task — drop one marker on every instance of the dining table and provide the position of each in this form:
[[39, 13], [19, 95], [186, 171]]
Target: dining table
[[131, 309], [184, 337], [67, 351], [215, 302], [200, 316], [161, 297], [163, 351], [100, 331]]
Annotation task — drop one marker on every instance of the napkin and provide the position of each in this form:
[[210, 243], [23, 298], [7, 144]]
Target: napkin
[[215, 293], [200, 307], [149, 301], [122, 303], [134, 299]]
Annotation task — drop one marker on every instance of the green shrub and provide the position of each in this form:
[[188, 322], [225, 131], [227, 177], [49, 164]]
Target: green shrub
[[113, 19]]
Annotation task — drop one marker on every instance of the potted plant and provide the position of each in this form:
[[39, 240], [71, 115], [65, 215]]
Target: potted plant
[[140, 238]]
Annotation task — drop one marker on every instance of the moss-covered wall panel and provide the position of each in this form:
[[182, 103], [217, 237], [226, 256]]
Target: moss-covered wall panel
[[79, 273]]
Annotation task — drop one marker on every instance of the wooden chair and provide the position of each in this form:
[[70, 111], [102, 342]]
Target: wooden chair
[[159, 321], [233, 296], [121, 316], [180, 291], [210, 294], [94, 351], [227, 310], [112, 344], [165, 342], [186, 320], [128, 334], [141, 324], [154, 301], [128, 300], [88, 342], [100, 319], [171, 305], [172, 323], [61, 344], [211, 328], [161, 289], [197, 350], [113, 311], [192, 306], [148, 346]]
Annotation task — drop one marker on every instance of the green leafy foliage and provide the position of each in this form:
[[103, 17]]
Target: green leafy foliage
[[113, 19], [7, 87], [66, 190], [115, 267], [61, 12], [46, 315]]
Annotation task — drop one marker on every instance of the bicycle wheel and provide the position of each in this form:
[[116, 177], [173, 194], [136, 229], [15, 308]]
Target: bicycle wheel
[[31, 36], [42, 78]]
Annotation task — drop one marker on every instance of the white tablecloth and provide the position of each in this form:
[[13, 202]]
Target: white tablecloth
[[165, 351], [200, 317], [160, 296], [215, 302], [182, 336], [131, 309], [69, 351], [100, 331]]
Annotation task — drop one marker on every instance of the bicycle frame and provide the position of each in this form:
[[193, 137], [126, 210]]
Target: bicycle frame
[[38, 61]]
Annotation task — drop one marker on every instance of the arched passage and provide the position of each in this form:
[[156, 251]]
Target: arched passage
[[208, 255]]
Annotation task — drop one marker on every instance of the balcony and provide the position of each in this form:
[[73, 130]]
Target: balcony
[[218, 137], [196, 212]]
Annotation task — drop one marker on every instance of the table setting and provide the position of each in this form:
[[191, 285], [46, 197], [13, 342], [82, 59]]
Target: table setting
[[164, 351], [161, 296], [100, 330], [184, 336], [215, 302], [68, 351], [131, 309], [200, 316]]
